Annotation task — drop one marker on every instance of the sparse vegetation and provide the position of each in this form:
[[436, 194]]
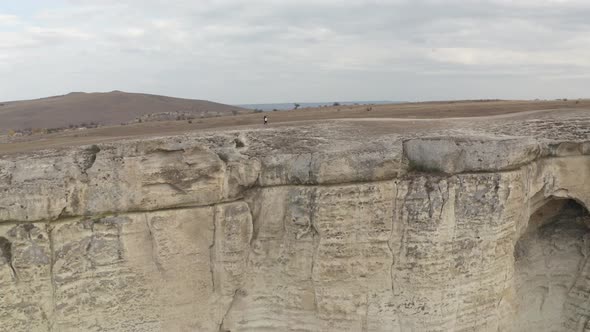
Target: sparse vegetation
[[239, 144], [165, 116], [296, 106], [336, 104], [40, 131], [234, 112], [258, 110]]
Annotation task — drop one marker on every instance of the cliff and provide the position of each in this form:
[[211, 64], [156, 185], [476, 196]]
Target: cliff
[[330, 227]]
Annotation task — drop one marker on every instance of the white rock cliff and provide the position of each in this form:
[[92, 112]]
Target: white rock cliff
[[238, 232]]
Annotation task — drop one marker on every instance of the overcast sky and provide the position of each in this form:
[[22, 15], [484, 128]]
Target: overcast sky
[[297, 50]]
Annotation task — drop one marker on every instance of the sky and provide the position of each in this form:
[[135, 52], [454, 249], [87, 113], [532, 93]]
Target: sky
[[256, 51]]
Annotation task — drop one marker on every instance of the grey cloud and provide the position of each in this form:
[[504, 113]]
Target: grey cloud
[[265, 50]]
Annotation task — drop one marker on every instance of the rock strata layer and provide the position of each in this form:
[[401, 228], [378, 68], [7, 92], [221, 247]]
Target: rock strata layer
[[229, 232]]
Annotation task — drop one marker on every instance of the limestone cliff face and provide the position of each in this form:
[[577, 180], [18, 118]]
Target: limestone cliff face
[[223, 233]]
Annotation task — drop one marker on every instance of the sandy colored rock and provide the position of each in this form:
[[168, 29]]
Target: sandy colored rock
[[453, 155], [473, 229]]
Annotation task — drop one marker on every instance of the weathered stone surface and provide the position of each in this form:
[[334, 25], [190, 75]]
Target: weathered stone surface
[[25, 278], [470, 154], [141, 271], [230, 232], [551, 272]]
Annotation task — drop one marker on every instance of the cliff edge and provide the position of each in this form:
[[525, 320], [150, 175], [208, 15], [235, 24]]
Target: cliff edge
[[338, 226]]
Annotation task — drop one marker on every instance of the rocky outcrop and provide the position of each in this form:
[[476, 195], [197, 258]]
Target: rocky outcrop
[[225, 232]]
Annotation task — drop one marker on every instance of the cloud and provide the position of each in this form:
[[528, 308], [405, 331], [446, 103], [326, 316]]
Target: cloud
[[266, 50], [8, 20]]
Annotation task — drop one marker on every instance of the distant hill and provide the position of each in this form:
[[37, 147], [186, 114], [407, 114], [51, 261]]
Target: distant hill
[[290, 106], [104, 108]]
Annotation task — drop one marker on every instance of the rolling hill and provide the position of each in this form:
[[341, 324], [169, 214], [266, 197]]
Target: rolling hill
[[104, 108]]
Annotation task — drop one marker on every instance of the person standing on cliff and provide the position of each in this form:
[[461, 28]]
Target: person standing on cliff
[[265, 120]]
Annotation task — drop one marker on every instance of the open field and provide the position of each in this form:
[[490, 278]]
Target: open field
[[393, 117]]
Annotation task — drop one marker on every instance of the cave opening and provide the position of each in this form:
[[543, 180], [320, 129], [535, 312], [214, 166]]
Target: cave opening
[[552, 277]]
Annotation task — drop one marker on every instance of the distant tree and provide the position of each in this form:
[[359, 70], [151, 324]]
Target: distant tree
[[234, 112], [258, 110], [336, 104], [296, 106], [274, 110]]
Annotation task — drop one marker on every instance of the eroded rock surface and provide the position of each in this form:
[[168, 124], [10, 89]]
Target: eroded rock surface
[[253, 231]]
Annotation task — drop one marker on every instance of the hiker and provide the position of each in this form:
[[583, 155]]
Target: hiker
[[265, 120]]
